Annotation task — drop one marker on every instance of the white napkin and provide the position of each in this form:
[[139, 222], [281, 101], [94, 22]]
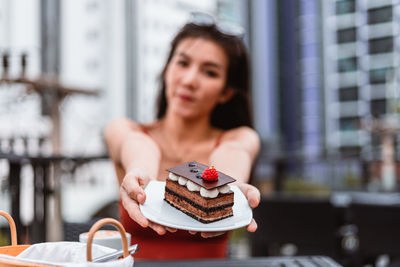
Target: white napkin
[[71, 254]]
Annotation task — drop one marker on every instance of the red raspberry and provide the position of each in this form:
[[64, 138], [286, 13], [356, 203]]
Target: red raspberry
[[210, 174]]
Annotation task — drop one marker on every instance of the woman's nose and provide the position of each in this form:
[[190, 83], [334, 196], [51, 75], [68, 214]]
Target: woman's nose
[[190, 77]]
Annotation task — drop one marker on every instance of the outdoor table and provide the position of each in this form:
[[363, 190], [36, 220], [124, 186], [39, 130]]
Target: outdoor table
[[42, 166], [348, 225], [309, 261]]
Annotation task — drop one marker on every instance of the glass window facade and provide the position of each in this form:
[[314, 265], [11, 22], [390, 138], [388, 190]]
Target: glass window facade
[[380, 45], [378, 76], [378, 107], [345, 6], [349, 124], [347, 35], [347, 64], [348, 94], [380, 15]]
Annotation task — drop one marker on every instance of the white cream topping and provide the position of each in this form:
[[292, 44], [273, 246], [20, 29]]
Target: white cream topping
[[182, 180], [224, 189], [173, 176], [209, 193], [193, 187]]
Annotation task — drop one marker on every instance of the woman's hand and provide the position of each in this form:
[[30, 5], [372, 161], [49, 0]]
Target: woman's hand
[[253, 197], [132, 194]]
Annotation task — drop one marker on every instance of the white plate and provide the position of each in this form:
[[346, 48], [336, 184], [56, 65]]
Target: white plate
[[157, 210]]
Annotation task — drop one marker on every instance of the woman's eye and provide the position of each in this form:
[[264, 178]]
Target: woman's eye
[[211, 73], [182, 63]]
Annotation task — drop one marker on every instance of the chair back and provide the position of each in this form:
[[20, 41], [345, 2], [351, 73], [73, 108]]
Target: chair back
[[308, 223], [378, 229]]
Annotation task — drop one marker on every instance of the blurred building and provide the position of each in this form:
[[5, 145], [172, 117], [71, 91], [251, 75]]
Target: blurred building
[[338, 65], [361, 58], [334, 72]]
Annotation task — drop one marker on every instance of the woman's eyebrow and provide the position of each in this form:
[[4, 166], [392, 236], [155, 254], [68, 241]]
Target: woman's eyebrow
[[182, 54], [207, 63], [212, 64]]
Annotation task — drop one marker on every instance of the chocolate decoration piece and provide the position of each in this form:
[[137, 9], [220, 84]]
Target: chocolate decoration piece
[[192, 164], [185, 171]]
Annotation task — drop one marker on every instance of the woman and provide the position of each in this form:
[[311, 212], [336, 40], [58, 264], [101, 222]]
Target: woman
[[203, 115]]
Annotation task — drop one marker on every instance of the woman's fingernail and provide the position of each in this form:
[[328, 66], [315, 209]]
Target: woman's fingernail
[[144, 223], [171, 230], [161, 231]]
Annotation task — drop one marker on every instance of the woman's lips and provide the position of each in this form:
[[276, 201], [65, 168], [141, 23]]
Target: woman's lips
[[186, 98]]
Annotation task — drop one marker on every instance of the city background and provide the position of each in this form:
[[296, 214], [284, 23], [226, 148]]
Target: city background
[[325, 89]]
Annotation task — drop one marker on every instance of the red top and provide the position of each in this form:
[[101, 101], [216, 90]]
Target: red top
[[178, 245]]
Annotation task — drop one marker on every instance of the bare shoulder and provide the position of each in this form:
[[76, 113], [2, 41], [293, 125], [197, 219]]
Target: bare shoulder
[[244, 137], [241, 133], [123, 123], [118, 129]]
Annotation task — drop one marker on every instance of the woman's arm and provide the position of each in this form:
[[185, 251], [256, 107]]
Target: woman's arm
[[130, 149], [235, 156], [137, 160], [236, 153]]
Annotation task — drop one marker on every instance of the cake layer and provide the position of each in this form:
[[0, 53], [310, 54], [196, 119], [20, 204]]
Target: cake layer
[[195, 197], [195, 205], [185, 206]]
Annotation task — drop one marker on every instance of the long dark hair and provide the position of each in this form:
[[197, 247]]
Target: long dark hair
[[235, 112]]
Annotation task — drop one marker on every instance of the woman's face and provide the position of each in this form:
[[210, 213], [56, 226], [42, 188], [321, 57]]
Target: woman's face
[[196, 77]]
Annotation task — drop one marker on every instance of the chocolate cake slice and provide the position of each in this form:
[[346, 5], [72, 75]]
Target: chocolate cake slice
[[201, 192]]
